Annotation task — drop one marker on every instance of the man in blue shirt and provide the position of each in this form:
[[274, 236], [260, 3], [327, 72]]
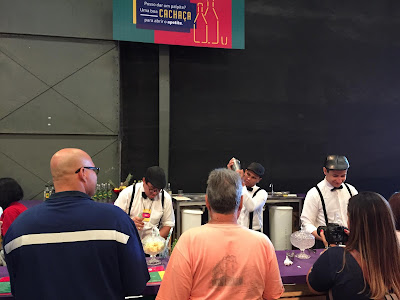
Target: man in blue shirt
[[70, 247]]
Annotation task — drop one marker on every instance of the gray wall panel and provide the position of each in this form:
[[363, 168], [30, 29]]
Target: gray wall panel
[[108, 160], [95, 89], [52, 59], [86, 99], [72, 18], [17, 86], [27, 157], [36, 120], [30, 182], [52, 113]]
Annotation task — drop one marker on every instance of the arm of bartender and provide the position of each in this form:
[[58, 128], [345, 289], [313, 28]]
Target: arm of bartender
[[256, 202], [310, 213], [168, 217]]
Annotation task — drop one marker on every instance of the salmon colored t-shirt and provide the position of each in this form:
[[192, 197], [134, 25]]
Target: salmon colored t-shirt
[[222, 261]]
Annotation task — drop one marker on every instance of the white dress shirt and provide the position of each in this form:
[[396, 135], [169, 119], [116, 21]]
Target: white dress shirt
[[336, 202], [254, 205], [139, 203]]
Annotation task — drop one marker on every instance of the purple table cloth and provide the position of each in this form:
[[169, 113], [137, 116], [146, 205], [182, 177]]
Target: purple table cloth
[[297, 272], [152, 288]]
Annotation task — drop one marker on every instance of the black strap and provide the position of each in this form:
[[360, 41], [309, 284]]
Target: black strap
[[323, 204], [351, 195], [132, 196], [162, 205], [251, 214]]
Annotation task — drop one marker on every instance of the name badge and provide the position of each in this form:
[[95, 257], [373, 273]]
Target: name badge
[[146, 215]]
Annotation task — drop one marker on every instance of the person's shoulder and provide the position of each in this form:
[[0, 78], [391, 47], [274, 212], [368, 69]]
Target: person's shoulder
[[167, 196], [261, 191], [335, 252], [313, 192], [254, 236], [351, 186], [111, 215], [127, 191], [14, 207], [107, 208]]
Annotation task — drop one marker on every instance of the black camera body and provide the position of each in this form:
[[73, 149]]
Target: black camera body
[[334, 233]]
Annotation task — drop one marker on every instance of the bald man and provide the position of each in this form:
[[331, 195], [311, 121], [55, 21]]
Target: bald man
[[70, 247]]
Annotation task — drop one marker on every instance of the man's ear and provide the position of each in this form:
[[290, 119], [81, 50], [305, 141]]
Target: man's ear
[[207, 203], [325, 171], [82, 175]]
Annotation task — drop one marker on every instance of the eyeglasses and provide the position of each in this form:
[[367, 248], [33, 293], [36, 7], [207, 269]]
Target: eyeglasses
[[95, 169], [153, 189]]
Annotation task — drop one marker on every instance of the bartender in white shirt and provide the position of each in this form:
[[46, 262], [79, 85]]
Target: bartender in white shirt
[[148, 204], [333, 192], [254, 197]]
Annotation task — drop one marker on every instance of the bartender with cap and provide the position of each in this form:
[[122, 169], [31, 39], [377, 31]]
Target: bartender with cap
[[148, 204], [254, 197], [333, 192]]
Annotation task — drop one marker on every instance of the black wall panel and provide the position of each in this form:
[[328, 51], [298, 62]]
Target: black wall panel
[[139, 108], [316, 77]]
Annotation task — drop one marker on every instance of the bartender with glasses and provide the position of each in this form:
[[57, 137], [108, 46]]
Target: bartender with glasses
[[148, 204], [254, 197]]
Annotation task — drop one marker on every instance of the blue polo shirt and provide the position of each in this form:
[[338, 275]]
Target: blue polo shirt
[[70, 247]]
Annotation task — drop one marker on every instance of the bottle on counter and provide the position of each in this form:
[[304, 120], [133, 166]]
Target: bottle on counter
[[96, 195], [168, 189], [46, 192], [109, 192]]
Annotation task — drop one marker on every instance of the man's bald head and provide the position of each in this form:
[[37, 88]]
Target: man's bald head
[[63, 166]]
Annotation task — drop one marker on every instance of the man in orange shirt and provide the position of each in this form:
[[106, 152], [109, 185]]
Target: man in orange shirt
[[222, 260]]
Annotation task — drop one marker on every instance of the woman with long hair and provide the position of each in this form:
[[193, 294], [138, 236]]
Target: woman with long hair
[[368, 267], [10, 193]]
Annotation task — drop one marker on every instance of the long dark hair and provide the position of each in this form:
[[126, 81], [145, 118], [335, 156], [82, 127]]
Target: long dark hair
[[373, 235], [10, 191]]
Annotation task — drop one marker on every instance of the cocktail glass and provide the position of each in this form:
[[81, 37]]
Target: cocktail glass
[[302, 240], [153, 245]]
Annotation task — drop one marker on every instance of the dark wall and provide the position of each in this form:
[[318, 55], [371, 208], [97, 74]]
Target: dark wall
[[316, 77], [139, 108]]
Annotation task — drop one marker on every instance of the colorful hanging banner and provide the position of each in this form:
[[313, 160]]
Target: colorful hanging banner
[[199, 23]]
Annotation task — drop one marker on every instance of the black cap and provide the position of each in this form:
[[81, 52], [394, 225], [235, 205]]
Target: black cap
[[156, 176], [336, 162], [256, 168]]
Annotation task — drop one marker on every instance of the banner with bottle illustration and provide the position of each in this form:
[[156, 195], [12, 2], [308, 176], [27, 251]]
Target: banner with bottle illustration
[[199, 23]]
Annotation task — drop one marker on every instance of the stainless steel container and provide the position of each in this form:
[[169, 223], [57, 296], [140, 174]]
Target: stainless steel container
[[236, 164]]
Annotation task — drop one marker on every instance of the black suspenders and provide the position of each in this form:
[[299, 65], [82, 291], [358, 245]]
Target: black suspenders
[[323, 201], [130, 204], [252, 213]]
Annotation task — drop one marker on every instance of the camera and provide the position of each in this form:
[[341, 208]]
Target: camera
[[334, 233]]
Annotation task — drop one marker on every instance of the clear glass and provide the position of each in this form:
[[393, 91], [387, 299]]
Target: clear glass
[[153, 245], [302, 240]]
